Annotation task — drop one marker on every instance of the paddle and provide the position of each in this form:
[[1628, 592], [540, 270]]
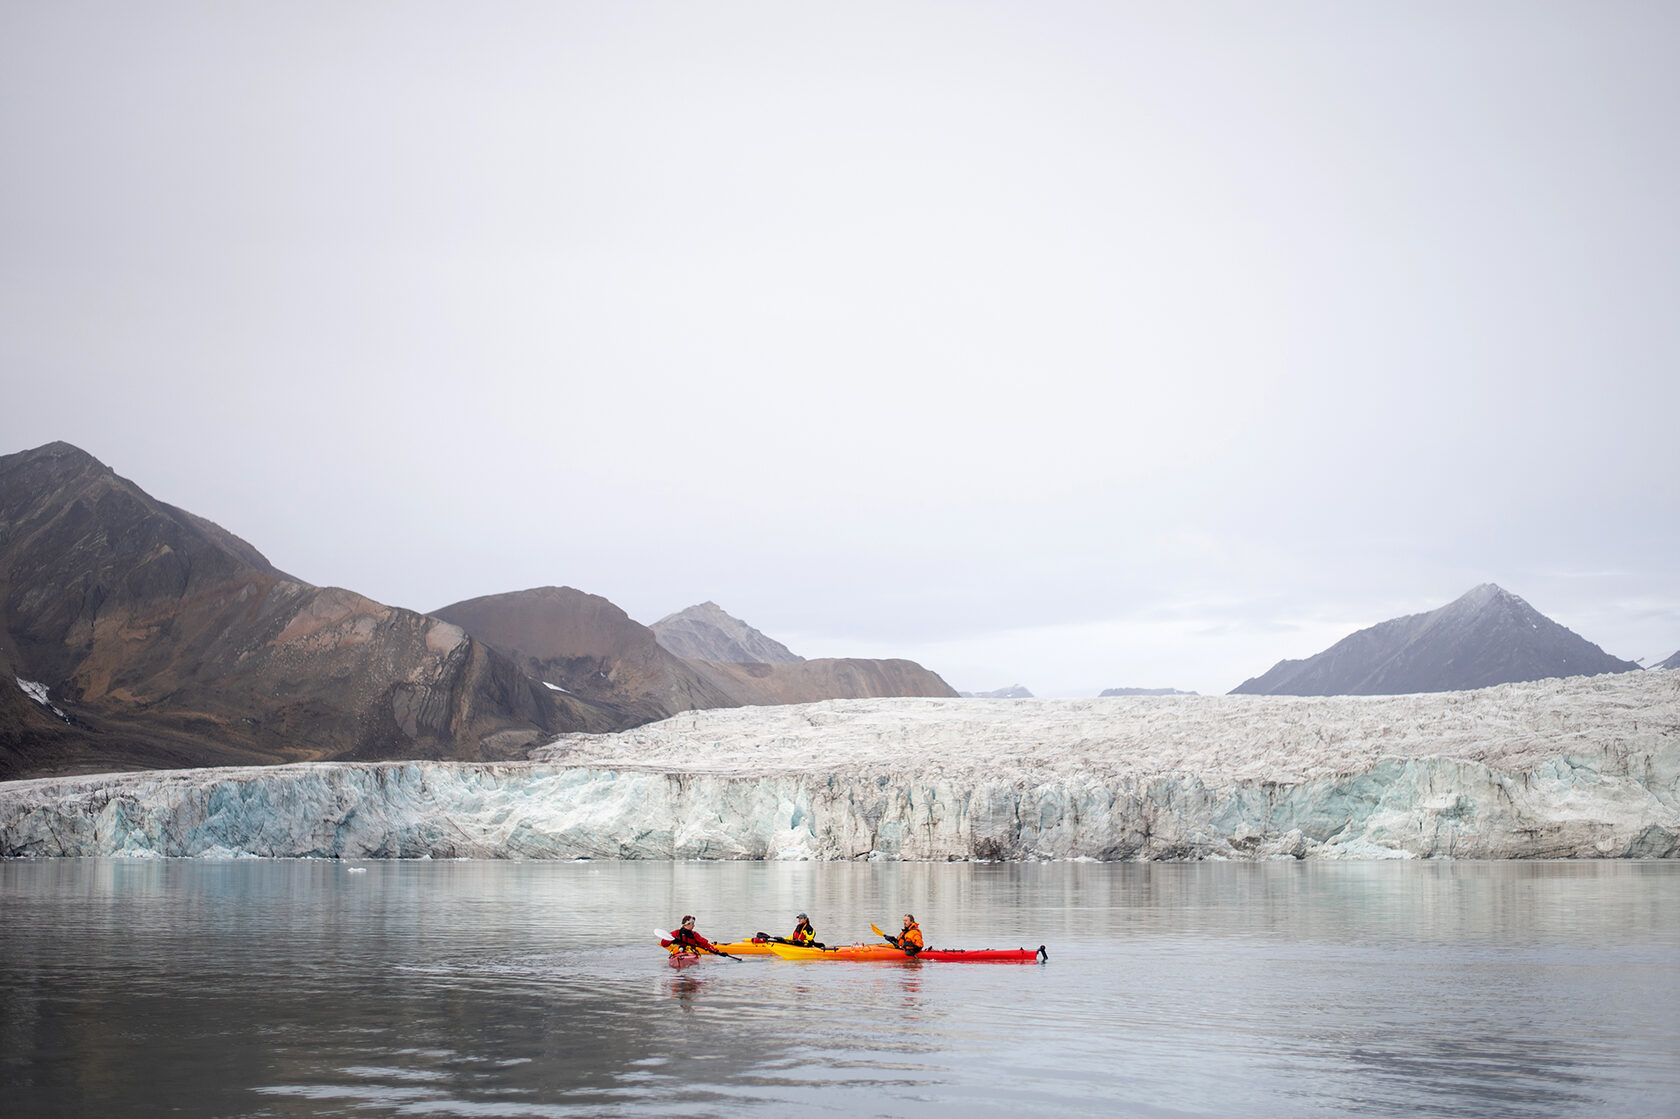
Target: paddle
[[764, 936], [663, 935]]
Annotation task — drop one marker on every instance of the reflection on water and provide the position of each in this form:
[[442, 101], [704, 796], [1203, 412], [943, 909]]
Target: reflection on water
[[257, 988]]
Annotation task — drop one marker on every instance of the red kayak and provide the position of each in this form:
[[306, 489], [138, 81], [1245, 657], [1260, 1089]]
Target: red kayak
[[878, 952], [984, 955]]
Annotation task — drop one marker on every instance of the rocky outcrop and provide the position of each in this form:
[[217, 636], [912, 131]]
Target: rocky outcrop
[[1486, 637], [165, 640], [707, 633], [1582, 768], [1671, 662]]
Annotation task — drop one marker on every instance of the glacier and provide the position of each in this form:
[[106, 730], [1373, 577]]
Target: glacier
[[1580, 768]]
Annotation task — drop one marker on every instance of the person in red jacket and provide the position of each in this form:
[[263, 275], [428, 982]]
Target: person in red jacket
[[689, 942]]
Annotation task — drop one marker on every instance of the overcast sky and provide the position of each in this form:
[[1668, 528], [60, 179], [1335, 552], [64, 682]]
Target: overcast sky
[[1070, 345]]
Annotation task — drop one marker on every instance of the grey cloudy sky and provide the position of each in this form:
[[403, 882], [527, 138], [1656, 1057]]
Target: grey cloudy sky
[[1074, 345]]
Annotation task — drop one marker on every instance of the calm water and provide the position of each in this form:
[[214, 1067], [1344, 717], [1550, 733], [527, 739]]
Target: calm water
[[535, 989]]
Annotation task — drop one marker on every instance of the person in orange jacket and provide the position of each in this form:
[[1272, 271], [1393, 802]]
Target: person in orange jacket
[[909, 938]]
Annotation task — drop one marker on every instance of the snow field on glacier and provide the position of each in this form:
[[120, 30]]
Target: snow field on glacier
[[1578, 768]]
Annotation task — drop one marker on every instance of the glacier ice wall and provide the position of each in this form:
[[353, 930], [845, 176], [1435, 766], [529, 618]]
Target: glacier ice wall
[[1588, 769]]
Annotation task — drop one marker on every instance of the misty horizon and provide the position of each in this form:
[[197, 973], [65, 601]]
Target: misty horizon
[[1074, 345]]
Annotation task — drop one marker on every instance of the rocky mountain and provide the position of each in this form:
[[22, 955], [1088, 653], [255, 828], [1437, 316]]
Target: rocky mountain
[[1488, 636], [708, 633], [1112, 692], [1014, 691], [592, 649], [585, 645], [162, 640], [1671, 662]]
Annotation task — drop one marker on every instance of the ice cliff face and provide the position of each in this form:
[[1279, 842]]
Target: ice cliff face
[[1580, 768]]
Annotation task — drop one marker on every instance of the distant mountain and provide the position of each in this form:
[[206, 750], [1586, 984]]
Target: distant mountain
[[1671, 662], [1488, 636], [589, 647], [1016, 691], [166, 641], [707, 633], [1140, 691]]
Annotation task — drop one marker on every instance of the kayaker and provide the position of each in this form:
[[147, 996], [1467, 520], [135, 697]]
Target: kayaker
[[689, 942], [804, 933], [909, 937]]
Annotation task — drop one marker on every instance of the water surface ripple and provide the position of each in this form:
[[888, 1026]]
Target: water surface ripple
[[284, 988]]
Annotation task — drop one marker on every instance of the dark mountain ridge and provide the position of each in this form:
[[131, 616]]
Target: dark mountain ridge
[[134, 634], [1487, 636], [168, 641]]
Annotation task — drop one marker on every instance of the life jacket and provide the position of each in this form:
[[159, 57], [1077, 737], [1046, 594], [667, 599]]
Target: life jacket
[[691, 942], [803, 933], [911, 938]]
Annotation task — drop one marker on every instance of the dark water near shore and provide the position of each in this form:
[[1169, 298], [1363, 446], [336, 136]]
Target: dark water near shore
[[535, 989]]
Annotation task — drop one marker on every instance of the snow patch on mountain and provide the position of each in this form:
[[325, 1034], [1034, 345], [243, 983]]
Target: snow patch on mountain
[[1580, 768], [38, 692]]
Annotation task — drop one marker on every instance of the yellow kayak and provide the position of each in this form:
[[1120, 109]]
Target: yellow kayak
[[753, 947], [842, 952]]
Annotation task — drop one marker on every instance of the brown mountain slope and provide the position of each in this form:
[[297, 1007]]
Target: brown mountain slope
[[829, 678], [170, 642], [595, 651], [586, 645]]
